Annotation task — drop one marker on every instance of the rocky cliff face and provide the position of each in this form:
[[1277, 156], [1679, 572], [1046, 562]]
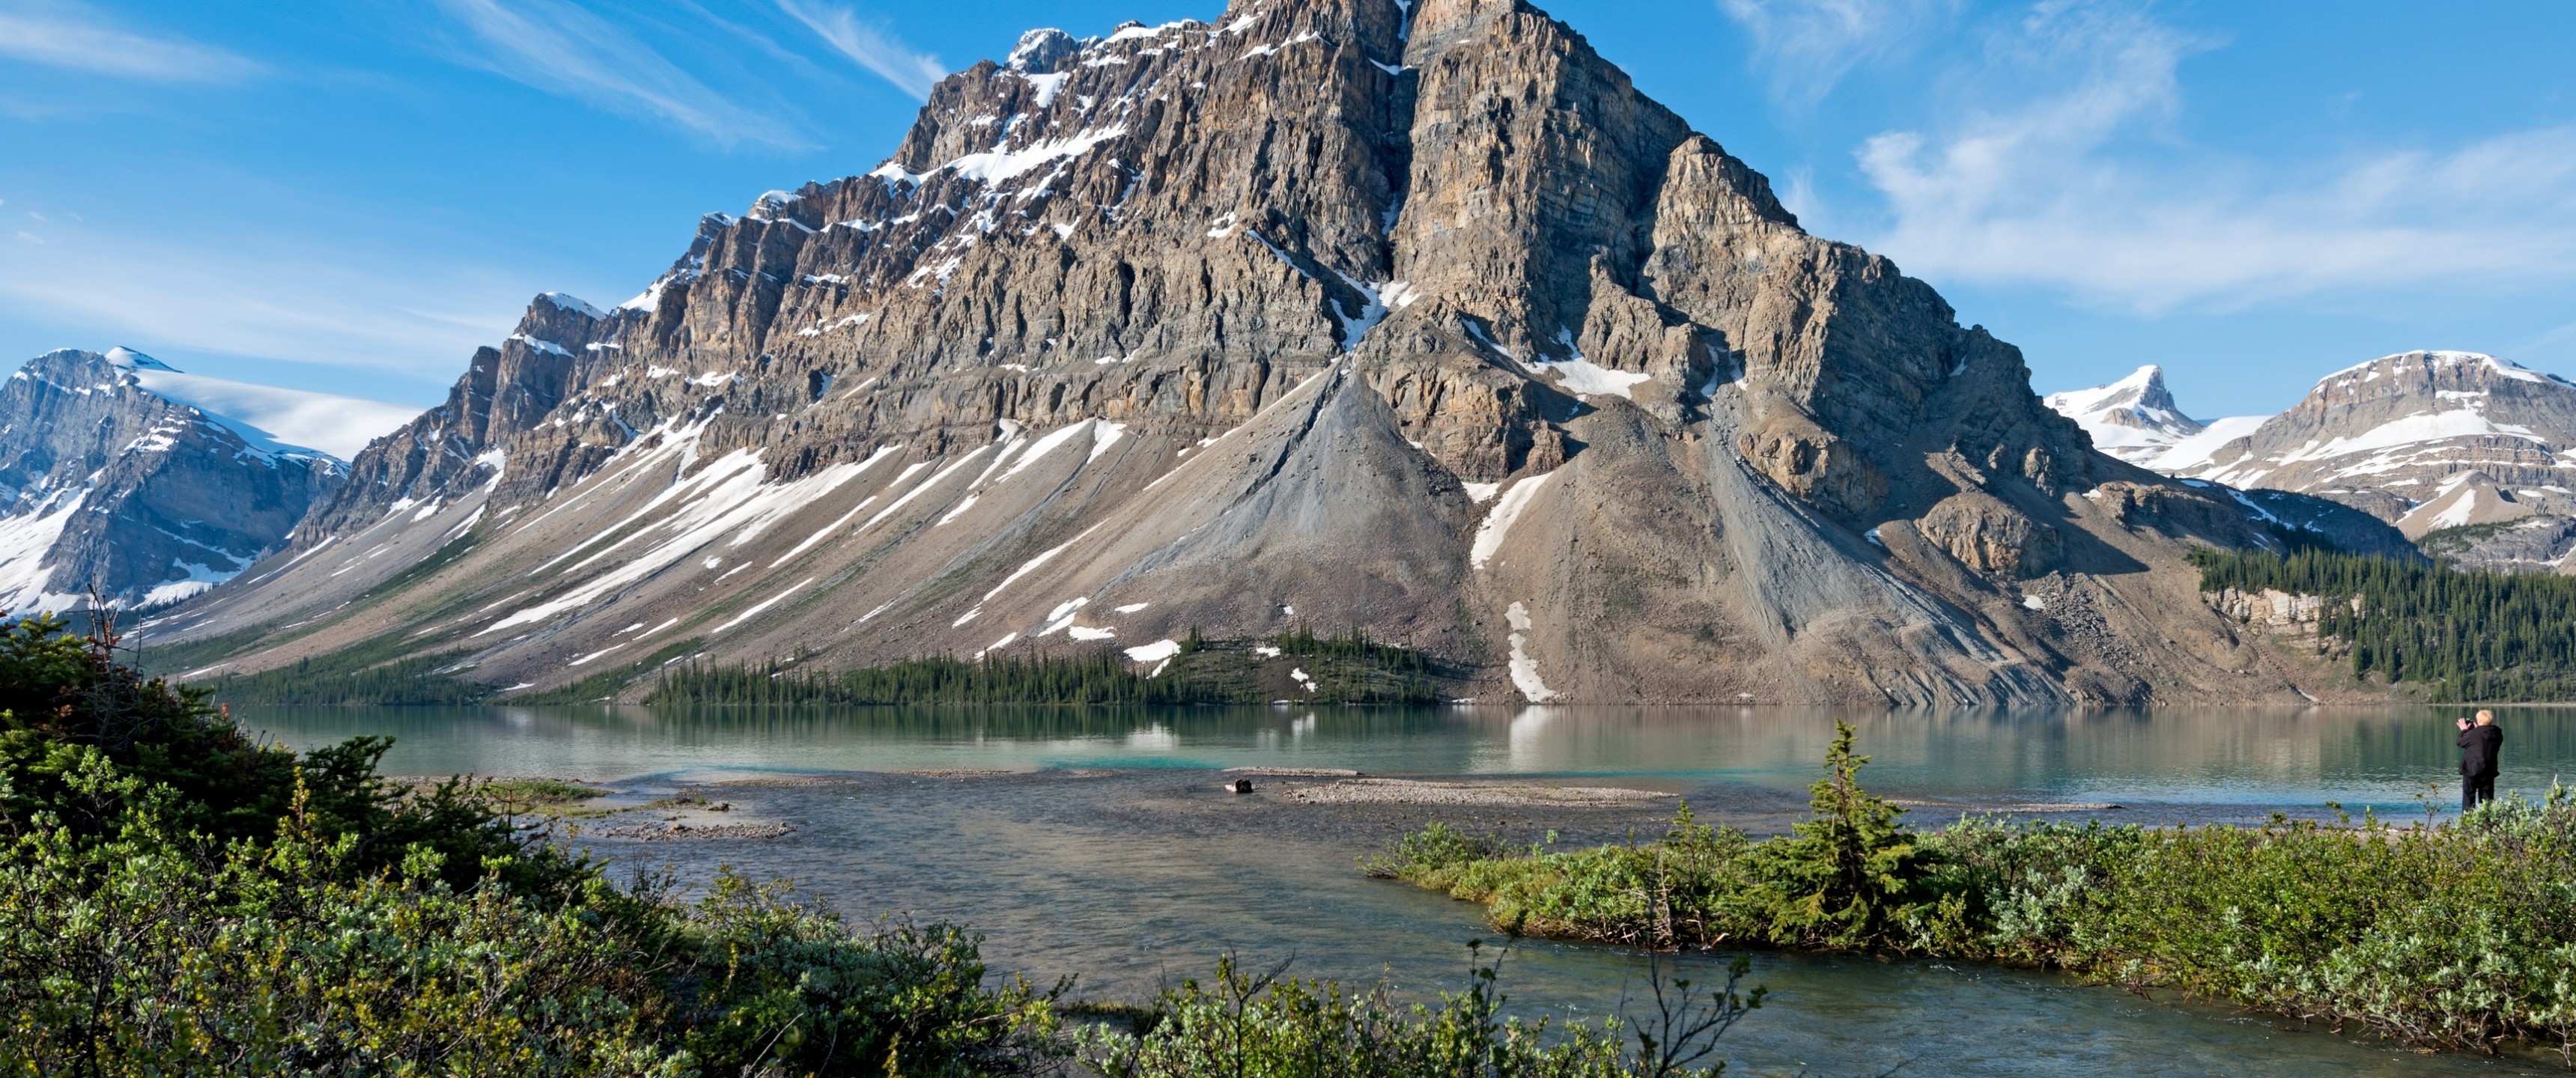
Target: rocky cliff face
[[116, 487], [1417, 318]]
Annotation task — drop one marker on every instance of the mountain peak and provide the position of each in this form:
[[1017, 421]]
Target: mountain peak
[[121, 474], [2144, 387], [1042, 51], [2134, 418], [132, 360], [569, 302], [1474, 321], [2424, 366]]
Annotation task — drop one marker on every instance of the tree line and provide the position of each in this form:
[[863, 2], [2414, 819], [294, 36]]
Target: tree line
[[1342, 668], [2463, 635]]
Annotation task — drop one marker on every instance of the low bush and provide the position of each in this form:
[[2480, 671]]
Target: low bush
[[1243, 1024], [2459, 936], [149, 953], [176, 898]]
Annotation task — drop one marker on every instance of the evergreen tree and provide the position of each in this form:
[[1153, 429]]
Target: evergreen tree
[[2462, 635]]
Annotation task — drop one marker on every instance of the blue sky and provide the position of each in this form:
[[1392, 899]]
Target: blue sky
[[349, 196]]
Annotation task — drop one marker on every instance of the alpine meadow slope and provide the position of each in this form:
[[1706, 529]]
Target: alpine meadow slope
[[1416, 319]]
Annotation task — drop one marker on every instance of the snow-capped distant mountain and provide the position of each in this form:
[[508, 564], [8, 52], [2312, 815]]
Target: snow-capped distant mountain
[[2430, 441], [2133, 418], [2424, 440], [2136, 420], [124, 474]]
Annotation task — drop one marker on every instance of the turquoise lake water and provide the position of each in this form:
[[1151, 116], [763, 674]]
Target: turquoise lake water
[[1108, 859], [2385, 758]]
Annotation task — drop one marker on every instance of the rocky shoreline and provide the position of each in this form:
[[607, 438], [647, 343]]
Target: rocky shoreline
[[1307, 805]]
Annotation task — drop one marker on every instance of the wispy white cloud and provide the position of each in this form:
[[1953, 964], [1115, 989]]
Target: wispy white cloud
[[2552, 339], [1804, 47], [913, 72], [299, 305], [58, 33], [563, 48], [2077, 184]]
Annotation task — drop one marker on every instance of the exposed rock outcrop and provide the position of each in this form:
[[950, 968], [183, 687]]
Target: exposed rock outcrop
[[1990, 538]]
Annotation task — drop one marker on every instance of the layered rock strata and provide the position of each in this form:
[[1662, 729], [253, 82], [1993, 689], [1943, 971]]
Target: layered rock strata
[[1418, 319]]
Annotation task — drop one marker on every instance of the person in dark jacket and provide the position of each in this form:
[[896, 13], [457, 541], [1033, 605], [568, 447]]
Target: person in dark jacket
[[2479, 744]]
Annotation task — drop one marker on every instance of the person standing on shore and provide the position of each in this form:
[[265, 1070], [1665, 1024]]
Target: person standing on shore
[[2479, 745]]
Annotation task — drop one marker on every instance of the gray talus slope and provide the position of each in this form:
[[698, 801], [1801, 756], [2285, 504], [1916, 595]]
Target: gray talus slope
[[114, 487], [1305, 314]]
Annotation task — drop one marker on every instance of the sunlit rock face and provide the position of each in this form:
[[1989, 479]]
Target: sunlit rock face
[[1337, 312]]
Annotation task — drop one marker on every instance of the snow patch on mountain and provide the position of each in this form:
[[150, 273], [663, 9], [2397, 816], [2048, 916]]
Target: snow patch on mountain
[[1498, 523], [997, 166], [2191, 455], [25, 577], [1524, 669], [2437, 358], [2134, 418]]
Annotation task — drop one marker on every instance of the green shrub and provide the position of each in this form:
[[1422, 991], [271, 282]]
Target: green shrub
[[2459, 936], [1436, 848], [1262, 1025], [66, 698], [153, 952], [765, 978], [176, 898]]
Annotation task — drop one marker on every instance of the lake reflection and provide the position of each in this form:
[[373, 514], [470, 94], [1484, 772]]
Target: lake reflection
[[2384, 757]]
